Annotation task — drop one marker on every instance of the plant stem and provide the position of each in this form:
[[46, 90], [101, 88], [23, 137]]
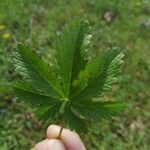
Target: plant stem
[[60, 132]]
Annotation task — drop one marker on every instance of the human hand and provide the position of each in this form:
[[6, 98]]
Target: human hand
[[69, 140]]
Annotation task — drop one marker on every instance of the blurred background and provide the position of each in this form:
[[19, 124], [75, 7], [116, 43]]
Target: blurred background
[[125, 23]]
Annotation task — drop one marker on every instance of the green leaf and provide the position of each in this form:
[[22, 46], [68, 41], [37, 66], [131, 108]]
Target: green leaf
[[28, 94], [95, 111], [104, 79], [48, 113], [70, 53], [91, 71], [73, 88], [34, 70], [74, 122]]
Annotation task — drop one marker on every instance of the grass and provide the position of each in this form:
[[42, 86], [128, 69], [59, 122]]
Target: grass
[[37, 23]]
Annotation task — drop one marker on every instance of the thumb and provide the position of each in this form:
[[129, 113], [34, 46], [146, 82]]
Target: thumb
[[52, 144]]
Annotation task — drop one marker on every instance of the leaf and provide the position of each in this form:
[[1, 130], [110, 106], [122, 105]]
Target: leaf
[[73, 88], [70, 53], [103, 80], [28, 94], [92, 70], [95, 111], [48, 113], [36, 71], [74, 122]]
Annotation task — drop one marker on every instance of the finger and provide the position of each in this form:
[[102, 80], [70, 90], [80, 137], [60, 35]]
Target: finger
[[71, 139], [52, 144]]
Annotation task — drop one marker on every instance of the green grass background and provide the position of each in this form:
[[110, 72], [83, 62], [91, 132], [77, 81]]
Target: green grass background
[[37, 23]]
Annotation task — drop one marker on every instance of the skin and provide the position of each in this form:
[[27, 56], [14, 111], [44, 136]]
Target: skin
[[69, 140]]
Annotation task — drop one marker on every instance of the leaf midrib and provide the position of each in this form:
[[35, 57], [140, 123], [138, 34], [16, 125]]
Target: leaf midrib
[[75, 50], [36, 70]]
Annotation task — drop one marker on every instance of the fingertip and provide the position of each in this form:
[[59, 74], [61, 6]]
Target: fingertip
[[71, 139], [53, 131]]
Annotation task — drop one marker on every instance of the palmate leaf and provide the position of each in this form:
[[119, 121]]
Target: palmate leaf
[[101, 75], [92, 69], [71, 51], [32, 96], [74, 122], [73, 90], [34, 70], [98, 110], [47, 106]]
